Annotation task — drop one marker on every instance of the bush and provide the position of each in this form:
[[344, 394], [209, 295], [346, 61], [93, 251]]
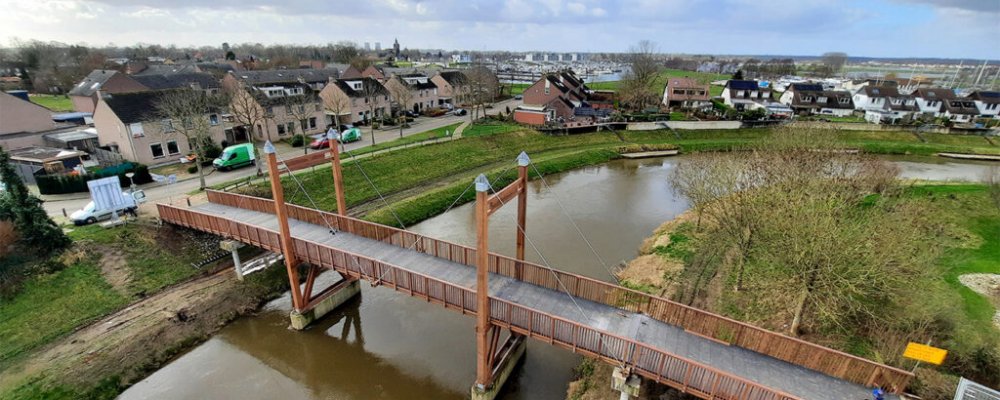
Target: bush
[[192, 169], [297, 140], [59, 184]]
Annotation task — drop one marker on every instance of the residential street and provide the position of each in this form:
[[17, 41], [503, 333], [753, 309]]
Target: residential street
[[162, 192]]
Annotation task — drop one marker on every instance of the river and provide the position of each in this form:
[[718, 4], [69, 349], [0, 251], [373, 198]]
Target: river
[[387, 345]]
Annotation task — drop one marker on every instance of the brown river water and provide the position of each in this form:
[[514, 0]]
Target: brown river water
[[387, 345]]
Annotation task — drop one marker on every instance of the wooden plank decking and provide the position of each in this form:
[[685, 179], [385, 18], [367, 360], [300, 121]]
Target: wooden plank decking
[[510, 294]]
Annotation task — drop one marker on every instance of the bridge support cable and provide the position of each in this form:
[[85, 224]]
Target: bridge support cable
[[483, 185], [575, 226], [357, 163]]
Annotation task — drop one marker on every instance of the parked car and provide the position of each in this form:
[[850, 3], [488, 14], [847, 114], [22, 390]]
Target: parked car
[[89, 214], [519, 97], [411, 114], [235, 156], [460, 112]]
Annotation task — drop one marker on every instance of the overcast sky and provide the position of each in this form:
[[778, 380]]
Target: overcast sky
[[889, 28]]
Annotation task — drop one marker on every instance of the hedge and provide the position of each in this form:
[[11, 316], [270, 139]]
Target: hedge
[[60, 184]]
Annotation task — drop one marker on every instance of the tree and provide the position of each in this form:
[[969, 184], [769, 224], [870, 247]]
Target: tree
[[372, 91], [299, 108], [244, 106], [344, 52], [186, 112], [33, 226], [338, 103], [738, 76], [402, 95], [361, 62], [482, 87], [832, 62], [636, 88]]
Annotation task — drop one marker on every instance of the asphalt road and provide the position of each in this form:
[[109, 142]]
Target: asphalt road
[[161, 192]]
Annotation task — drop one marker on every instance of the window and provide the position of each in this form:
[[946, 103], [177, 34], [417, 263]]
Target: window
[[302, 108], [270, 109], [291, 127], [678, 91], [807, 99], [288, 108], [303, 123], [157, 150], [844, 100], [213, 119], [136, 129], [260, 132], [312, 123], [172, 147], [319, 107], [168, 125], [281, 129]]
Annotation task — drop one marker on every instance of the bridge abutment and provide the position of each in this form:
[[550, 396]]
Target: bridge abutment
[[509, 358], [324, 302], [625, 382]]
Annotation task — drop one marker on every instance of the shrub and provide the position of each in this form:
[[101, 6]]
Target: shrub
[[58, 184], [297, 140], [192, 169]]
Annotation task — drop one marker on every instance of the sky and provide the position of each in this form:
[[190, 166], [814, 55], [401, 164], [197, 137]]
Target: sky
[[874, 28]]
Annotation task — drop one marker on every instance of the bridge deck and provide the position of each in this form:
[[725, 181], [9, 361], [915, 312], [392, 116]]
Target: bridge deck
[[759, 368]]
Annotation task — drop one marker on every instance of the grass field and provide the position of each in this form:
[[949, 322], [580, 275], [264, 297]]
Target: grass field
[[407, 140], [56, 103]]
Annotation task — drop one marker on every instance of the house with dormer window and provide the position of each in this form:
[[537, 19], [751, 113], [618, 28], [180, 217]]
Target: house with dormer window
[[745, 95]]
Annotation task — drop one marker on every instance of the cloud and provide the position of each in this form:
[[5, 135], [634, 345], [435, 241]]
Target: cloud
[[970, 5]]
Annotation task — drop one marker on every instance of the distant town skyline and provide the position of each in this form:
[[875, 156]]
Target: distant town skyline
[[874, 28]]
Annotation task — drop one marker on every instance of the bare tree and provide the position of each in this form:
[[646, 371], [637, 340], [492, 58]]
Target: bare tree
[[186, 114], [299, 108], [402, 94], [337, 103], [244, 106], [636, 88], [832, 62], [372, 91], [481, 87]]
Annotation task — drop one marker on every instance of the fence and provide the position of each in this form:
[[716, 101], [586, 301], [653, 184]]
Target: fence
[[678, 372], [796, 351]]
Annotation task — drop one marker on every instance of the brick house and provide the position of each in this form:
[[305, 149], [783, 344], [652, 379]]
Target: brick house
[[85, 94], [350, 93], [130, 125], [554, 97], [453, 87], [687, 94], [283, 96], [812, 99], [423, 92]]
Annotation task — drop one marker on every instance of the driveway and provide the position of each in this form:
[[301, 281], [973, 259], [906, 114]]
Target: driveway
[[165, 193]]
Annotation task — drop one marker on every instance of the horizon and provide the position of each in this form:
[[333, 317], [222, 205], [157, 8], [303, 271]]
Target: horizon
[[886, 29]]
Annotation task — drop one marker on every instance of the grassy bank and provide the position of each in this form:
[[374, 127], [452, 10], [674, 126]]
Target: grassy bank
[[432, 134]]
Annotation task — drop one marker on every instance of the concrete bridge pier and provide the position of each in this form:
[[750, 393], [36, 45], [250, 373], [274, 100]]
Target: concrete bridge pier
[[508, 357], [324, 302], [625, 382]]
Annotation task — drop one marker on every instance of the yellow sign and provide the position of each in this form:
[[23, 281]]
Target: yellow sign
[[925, 353]]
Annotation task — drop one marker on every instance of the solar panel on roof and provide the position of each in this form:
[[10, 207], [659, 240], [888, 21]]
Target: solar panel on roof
[[991, 95]]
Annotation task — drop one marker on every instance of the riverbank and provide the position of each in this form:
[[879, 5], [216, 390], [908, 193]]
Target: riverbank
[[128, 302], [968, 269]]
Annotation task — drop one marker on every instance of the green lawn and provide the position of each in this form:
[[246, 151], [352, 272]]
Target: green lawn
[[518, 88], [58, 103], [406, 140], [52, 305]]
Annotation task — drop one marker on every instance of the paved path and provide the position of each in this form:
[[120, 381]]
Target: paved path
[[159, 192], [762, 369]]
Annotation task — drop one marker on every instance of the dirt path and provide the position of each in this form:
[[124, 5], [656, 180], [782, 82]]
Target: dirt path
[[145, 334]]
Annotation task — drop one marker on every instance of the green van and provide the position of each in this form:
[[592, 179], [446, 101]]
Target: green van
[[235, 156]]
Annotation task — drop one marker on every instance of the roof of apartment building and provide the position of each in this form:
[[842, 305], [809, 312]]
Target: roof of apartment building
[[960, 106], [367, 83], [161, 69], [987, 97], [136, 106], [454, 77], [880, 91], [178, 80], [426, 84], [264, 77], [742, 85], [687, 84], [934, 93], [93, 82]]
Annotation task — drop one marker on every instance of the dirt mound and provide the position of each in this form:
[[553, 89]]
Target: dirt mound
[[987, 285], [114, 268]]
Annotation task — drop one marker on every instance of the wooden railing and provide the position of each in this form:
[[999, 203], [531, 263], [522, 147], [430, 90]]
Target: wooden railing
[[796, 351], [679, 372]]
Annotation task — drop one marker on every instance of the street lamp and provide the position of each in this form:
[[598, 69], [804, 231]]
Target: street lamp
[[131, 182]]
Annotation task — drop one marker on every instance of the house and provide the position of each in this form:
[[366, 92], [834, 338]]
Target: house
[[359, 100], [745, 95], [85, 94], [289, 99], [686, 94], [556, 97], [884, 103], [369, 72], [130, 125], [813, 99], [22, 123], [453, 87], [960, 109], [987, 102], [423, 92], [930, 101]]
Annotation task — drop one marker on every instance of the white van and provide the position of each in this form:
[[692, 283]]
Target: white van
[[89, 214]]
